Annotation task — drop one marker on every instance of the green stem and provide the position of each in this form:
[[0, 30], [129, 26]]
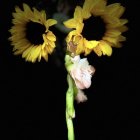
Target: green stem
[[70, 127], [70, 112]]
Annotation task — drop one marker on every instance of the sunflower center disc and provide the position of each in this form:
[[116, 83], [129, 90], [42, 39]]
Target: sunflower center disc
[[34, 32], [94, 28]]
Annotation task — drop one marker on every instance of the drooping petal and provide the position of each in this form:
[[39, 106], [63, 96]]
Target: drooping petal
[[80, 97]]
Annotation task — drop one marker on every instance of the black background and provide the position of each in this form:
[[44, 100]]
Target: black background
[[34, 94]]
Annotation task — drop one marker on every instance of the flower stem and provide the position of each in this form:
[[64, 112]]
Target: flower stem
[[70, 112], [70, 127]]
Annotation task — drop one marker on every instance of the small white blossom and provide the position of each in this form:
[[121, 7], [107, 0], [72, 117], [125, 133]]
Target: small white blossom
[[81, 72]]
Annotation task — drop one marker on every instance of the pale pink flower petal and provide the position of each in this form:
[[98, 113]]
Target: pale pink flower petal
[[81, 72], [81, 97]]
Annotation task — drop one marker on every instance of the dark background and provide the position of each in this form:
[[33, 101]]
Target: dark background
[[34, 94]]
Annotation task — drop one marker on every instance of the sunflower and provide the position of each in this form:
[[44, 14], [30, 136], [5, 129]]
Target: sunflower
[[30, 34], [77, 43]]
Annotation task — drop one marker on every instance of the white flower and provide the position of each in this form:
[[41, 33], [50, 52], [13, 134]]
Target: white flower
[[81, 72]]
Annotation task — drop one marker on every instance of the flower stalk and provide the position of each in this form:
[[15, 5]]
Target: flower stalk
[[70, 112], [78, 78], [70, 95]]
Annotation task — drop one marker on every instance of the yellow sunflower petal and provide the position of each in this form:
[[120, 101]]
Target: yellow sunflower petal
[[20, 51], [44, 54], [87, 7], [112, 33], [19, 21], [94, 43], [122, 28], [76, 39], [110, 19], [97, 50], [27, 10], [26, 52], [48, 42], [19, 18], [112, 8], [119, 12], [18, 10], [70, 35], [35, 53], [78, 13], [22, 42], [51, 43], [43, 15], [99, 8], [90, 44], [49, 49], [39, 57], [71, 23], [106, 48], [118, 23], [112, 40], [36, 15], [21, 45], [79, 28], [121, 38], [51, 36], [50, 22], [115, 9], [123, 21], [87, 51], [92, 6], [30, 55], [87, 44]]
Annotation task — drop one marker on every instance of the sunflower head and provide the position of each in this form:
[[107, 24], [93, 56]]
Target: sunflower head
[[30, 34], [78, 40]]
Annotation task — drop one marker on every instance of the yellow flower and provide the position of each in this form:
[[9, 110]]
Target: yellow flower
[[22, 45], [114, 26]]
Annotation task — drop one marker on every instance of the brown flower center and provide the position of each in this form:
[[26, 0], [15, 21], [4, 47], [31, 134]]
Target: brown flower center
[[34, 32], [94, 28]]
